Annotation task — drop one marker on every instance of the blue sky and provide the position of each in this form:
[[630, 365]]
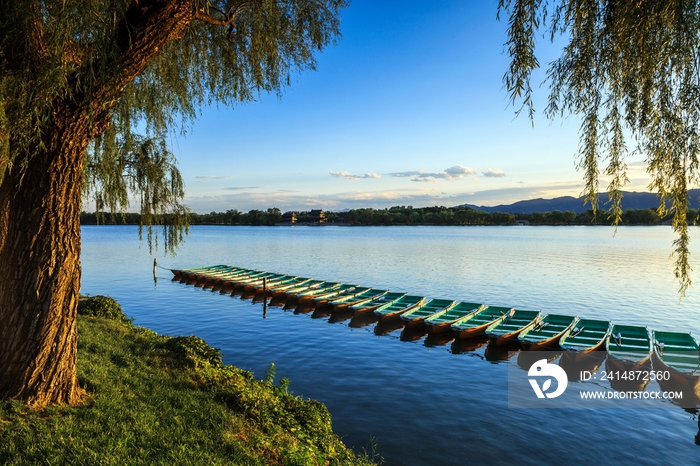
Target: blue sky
[[407, 109]]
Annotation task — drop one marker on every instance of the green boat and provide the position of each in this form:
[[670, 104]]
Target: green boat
[[258, 282], [293, 293], [275, 283], [417, 315], [396, 308], [222, 277], [629, 345], [586, 335], [547, 332], [188, 272], [324, 299], [235, 278], [677, 360], [213, 276], [368, 306], [325, 287], [508, 328], [252, 279], [346, 302], [474, 322], [280, 289], [441, 321]]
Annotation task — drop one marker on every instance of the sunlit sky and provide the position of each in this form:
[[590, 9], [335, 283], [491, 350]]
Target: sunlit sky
[[408, 108]]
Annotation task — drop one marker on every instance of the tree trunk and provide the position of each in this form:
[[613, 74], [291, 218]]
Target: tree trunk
[[40, 273], [40, 201]]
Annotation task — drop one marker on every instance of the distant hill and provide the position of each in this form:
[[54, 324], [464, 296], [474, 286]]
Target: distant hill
[[630, 200]]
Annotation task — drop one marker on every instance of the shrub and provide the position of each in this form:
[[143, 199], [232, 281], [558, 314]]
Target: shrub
[[101, 306], [195, 350]]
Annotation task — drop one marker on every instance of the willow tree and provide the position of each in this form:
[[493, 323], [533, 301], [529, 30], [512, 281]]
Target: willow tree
[[631, 70], [77, 78]]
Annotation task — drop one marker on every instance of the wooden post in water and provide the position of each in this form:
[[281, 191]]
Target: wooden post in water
[[264, 298]]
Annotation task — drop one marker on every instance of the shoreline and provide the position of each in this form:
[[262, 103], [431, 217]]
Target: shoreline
[[158, 399]]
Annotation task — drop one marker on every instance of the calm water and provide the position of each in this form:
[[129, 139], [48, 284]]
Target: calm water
[[423, 401]]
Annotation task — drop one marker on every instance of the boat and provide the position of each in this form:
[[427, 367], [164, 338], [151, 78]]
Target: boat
[[325, 287], [235, 279], [676, 359], [348, 301], [292, 293], [586, 336], [367, 306], [629, 345], [547, 332], [417, 315], [507, 329], [324, 299], [224, 273], [441, 321], [280, 289], [394, 309], [629, 351], [243, 282], [212, 276], [187, 272], [476, 322], [277, 283], [257, 284]]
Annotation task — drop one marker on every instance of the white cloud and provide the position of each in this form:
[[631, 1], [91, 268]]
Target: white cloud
[[241, 188], [350, 176], [450, 174], [494, 173]]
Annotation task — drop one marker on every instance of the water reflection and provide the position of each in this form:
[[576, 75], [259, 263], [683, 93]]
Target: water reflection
[[501, 352], [413, 333], [467, 345], [575, 363], [623, 375], [278, 302], [362, 320], [527, 358], [438, 339], [341, 316], [687, 386], [385, 327], [321, 312]]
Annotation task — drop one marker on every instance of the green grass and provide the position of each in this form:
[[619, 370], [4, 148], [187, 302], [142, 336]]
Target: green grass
[[158, 400]]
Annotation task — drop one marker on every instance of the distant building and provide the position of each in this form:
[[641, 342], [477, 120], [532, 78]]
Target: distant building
[[289, 218], [317, 216], [521, 222]]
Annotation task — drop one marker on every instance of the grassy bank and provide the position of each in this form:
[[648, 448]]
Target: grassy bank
[[158, 400]]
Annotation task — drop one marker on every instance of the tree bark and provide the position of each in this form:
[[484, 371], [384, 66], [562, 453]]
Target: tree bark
[[40, 199], [40, 273]]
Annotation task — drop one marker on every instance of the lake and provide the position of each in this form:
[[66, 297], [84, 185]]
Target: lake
[[423, 401]]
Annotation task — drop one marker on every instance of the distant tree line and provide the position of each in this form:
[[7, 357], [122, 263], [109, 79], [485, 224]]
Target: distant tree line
[[406, 215]]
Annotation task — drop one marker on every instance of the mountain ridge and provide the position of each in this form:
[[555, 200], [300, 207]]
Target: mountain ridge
[[630, 200]]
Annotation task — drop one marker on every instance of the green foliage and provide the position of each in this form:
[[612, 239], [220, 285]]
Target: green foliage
[[81, 54], [101, 306], [119, 168], [629, 67], [194, 350], [144, 407]]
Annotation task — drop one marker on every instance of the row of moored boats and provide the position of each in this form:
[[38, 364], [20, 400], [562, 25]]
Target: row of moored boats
[[631, 347]]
